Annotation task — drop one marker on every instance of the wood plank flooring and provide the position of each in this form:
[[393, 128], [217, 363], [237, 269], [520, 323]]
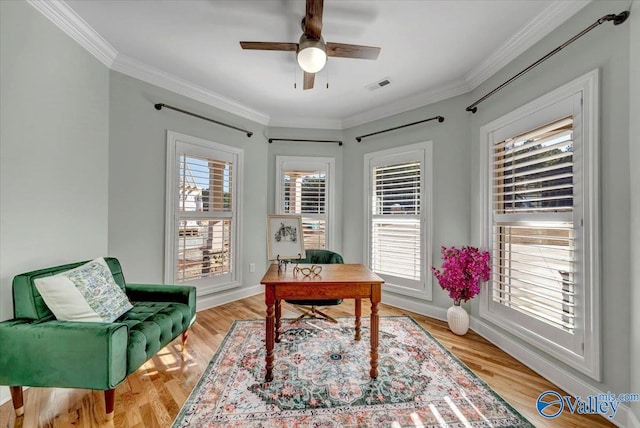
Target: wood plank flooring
[[153, 395]]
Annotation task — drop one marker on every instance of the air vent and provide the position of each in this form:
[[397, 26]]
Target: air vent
[[379, 84]]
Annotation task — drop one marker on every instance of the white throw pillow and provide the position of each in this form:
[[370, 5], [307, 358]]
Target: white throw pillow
[[87, 293]]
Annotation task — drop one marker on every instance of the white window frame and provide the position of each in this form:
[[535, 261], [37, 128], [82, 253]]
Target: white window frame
[[581, 94], [206, 149], [310, 163], [422, 152]]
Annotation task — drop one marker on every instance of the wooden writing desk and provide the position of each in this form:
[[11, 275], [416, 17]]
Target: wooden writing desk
[[336, 281]]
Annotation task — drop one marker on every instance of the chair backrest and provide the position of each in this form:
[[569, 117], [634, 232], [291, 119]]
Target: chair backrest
[[322, 257], [27, 302]]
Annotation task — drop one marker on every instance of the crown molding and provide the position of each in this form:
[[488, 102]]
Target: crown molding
[[410, 103], [74, 26], [65, 18], [157, 77], [538, 28], [58, 12], [305, 122]]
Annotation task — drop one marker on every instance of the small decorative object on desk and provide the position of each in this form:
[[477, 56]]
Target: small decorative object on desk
[[308, 271], [462, 270]]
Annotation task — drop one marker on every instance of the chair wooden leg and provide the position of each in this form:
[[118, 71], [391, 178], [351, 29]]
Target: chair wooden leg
[[109, 402], [306, 312], [297, 319], [327, 317], [311, 311], [17, 399]]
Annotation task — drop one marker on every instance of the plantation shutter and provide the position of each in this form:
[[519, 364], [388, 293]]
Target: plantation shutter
[[305, 192], [204, 218], [533, 239], [203, 207], [540, 195], [398, 214], [396, 220]]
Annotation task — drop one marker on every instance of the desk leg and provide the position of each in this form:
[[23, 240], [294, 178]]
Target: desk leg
[[270, 331], [374, 330], [278, 322], [358, 314]]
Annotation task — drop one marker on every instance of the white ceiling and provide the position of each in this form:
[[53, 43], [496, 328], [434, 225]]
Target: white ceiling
[[431, 50]]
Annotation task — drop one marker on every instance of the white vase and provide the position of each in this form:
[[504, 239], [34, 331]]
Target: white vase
[[458, 320]]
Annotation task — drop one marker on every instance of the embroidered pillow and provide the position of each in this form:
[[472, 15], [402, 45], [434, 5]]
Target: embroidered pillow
[[87, 293]]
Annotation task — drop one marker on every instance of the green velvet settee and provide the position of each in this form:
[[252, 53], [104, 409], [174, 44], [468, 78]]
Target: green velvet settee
[[39, 350]]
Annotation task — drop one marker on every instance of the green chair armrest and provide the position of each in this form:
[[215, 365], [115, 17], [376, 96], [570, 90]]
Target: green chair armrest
[[66, 354], [163, 293]]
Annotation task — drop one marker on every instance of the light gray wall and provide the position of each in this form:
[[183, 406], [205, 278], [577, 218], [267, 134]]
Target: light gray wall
[[606, 48], [290, 148], [456, 173], [634, 158], [137, 155], [450, 176], [86, 147], [54, 159]]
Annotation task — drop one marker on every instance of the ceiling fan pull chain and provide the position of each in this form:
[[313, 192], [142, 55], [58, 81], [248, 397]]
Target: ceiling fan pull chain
[[327, 68]]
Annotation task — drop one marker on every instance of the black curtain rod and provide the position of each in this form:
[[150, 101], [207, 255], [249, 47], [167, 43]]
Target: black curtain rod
[[271, 140], [439, 118], [160, 105], [617, 20]]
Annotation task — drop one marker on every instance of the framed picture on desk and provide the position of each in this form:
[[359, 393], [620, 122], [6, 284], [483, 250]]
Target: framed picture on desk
[[285, 240]]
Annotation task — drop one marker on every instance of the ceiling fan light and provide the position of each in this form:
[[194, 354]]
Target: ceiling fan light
[[312, 55]]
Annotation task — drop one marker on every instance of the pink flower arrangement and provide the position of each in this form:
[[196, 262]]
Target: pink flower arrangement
[[462, 271]]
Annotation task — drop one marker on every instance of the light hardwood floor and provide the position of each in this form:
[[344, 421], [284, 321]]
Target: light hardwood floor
[[154, 394]]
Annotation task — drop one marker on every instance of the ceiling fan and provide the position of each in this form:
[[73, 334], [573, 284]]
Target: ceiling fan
[[311, 50]]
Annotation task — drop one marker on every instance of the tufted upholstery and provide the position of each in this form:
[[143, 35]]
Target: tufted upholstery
[[152, 325], [38, 350]]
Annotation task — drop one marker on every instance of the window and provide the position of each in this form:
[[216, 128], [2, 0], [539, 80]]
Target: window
[[398, 217], [305, 186], [202, 213], [541, 231]]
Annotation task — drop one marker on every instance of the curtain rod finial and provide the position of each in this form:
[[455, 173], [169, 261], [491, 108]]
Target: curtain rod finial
[[621, 17], [159, 106], [440, 119]]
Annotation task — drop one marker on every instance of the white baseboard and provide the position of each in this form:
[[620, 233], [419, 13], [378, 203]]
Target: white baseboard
[[227, 296], [4, 394], [413, 305], [544, 367], [548, 369], [634, 422]]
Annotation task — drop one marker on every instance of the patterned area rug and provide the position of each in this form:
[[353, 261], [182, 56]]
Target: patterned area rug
[[321, 379]]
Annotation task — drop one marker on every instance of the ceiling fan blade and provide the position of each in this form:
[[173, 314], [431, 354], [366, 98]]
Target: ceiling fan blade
[[309, 78], [343, 50], [270, 46], [313, 19]]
